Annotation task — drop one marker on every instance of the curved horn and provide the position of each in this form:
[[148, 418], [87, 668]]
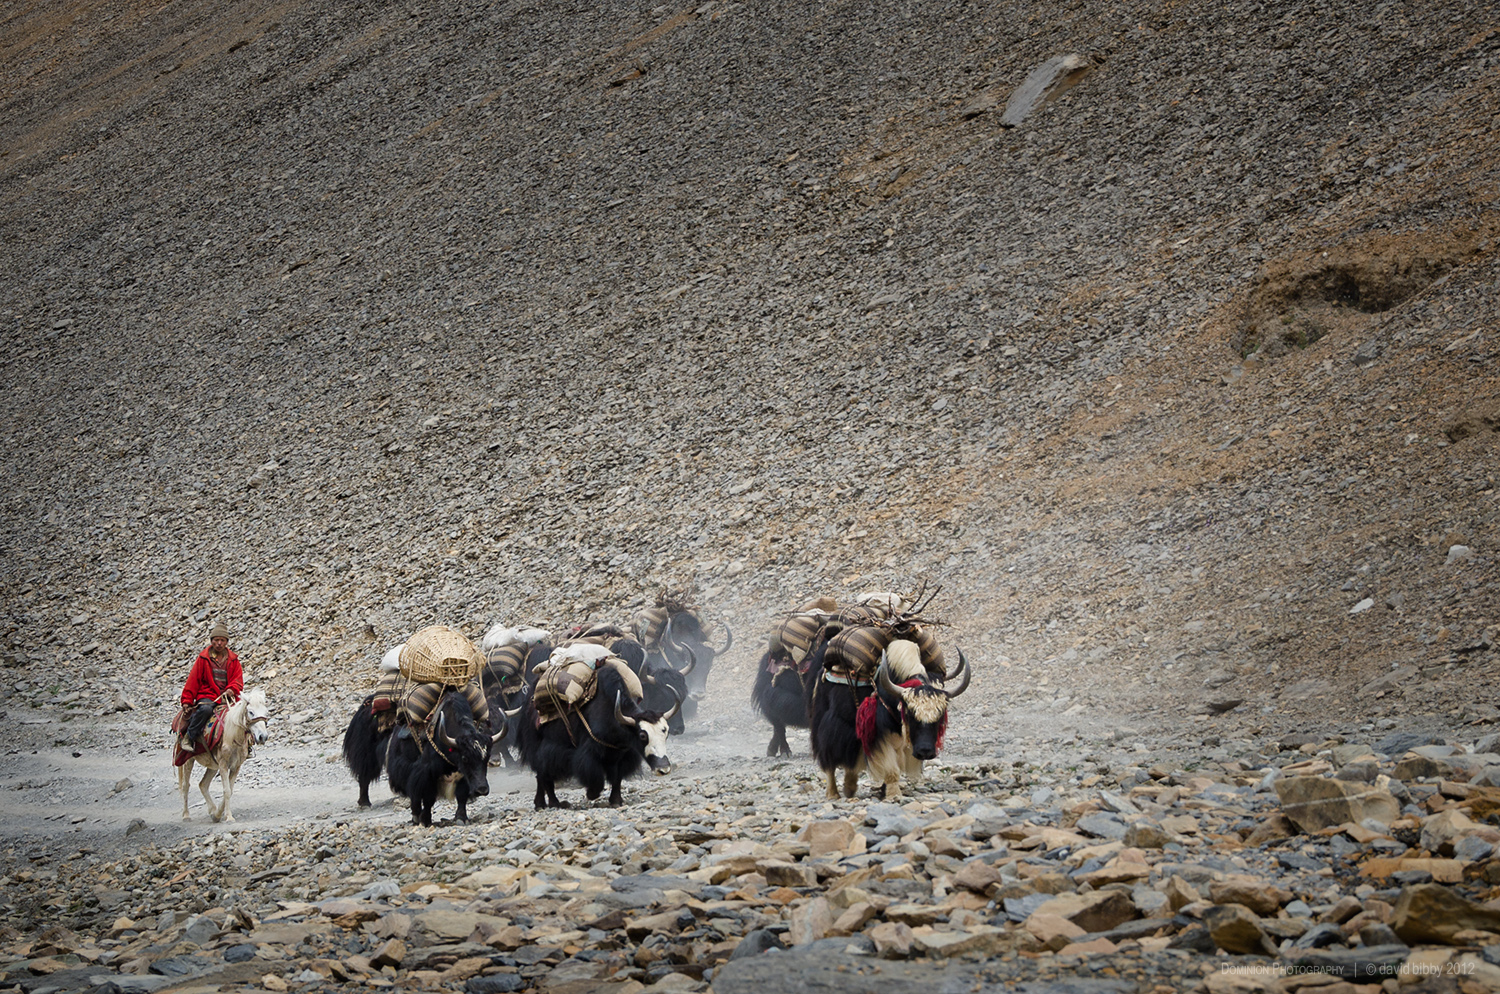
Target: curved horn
[[669, 642], [728, 640], [621, 716], [448, 741], [887, 685], [692, 659], [511, 714], [495, 739], [675, 707], [963, 667]]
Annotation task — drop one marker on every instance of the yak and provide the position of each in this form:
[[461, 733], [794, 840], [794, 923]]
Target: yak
[[447, 756], [662, 684], [786, 674], [376, 741], [608, 739], [674, 635], [507, 678], [891, 724]]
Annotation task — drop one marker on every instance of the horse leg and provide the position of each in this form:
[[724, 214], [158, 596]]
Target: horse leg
[[208, 776], [226, 780], [184, 781]]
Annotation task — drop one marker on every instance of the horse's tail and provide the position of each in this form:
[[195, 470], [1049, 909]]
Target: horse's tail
[[362, 743]]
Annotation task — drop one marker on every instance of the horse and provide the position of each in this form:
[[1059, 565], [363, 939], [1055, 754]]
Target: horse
[[244, 726]]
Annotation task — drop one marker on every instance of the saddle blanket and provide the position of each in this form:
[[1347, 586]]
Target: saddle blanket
[[182, 750]]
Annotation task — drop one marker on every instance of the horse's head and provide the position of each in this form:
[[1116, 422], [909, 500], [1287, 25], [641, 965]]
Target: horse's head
[[257, 714]]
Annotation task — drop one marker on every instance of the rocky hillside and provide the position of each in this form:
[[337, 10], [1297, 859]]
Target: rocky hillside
[[333, 320]]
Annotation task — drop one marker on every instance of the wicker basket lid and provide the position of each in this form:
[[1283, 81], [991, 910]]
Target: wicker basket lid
[[438, 654]]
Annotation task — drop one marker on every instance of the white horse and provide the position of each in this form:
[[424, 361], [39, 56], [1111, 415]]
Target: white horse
[[244, 725]]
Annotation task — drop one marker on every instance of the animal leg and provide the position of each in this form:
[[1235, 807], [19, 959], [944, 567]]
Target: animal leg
[[912, 768], [615, 797], [461, 795], [593, 784], [422, 800], [184, 781], [227, 782], [213, 809], [833, 783], [546, 793], [779, 745], [851, 780]]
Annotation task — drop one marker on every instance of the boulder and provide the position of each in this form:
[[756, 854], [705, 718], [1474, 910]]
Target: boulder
[[1313, 803], [1435, 913]]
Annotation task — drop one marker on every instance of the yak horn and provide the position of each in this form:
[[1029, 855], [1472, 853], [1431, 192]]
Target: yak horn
[[668, 641], [692, 659], [675, 707], [887, 685], [448, 741], [495, 739], [621, 716], [728, 640], [647, 677], [963, 668]]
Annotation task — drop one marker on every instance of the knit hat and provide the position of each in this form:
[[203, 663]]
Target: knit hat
[[219, 632]]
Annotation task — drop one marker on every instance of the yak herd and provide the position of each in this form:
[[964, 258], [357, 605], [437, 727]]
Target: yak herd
[[596, 706]]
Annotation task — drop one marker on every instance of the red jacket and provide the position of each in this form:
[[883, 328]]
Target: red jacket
[[201, 685]]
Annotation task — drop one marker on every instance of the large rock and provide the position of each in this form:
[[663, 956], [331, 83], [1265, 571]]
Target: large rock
[[1261, 896], [1098, 911], [1313, 803], [1236, 929], [831, 836], [1442, 831], [1435, 913]]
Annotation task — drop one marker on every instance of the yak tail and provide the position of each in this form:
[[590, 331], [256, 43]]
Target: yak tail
[[362, 744]]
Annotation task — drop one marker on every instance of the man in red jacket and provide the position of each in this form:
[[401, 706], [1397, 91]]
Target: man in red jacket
[[216, 676]]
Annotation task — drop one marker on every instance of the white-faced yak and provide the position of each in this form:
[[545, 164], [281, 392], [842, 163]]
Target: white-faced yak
[[891, 724]]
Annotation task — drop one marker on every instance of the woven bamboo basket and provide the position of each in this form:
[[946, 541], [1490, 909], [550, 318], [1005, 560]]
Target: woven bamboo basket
[[438, 654]]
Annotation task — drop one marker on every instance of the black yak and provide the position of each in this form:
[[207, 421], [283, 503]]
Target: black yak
[[448, 756], [610, 737], [785, 675]]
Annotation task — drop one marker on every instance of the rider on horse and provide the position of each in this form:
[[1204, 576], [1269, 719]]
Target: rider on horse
[[216, 677]]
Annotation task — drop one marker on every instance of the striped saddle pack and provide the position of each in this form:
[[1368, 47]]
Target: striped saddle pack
[[855, 652], [649, 624], [508, 663], [398, 698], [793, 638], [569, 678]]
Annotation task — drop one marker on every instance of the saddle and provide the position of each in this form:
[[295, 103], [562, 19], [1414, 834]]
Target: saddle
[[569, 679], [397, 700], [213, 734]]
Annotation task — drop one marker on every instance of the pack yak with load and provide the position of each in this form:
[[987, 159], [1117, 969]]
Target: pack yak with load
[[663, 685], [584, 720], [510, 657], [426, 725], [784, 677], [675, 635], [880, 697]]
